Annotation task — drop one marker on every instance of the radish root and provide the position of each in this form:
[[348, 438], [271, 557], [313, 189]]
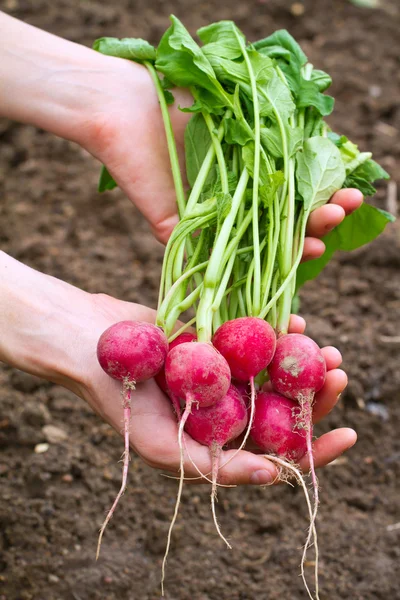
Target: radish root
[[312, 532], [127, 388], [182, 422], [215, 452]]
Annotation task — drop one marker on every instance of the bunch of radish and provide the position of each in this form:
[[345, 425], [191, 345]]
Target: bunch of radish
[[259, 158]]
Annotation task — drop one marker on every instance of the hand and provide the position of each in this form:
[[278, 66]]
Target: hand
[[154, 429], [56, 338], [128, 137], [109, 106]]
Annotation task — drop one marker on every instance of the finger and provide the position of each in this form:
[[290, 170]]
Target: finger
[[296, 324], [154, 436], [330, 446], [349, 199], [324, 219], [327, 397], [332, 356], [313, 248]]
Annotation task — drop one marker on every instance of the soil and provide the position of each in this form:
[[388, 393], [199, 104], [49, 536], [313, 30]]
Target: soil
[[52, 504]]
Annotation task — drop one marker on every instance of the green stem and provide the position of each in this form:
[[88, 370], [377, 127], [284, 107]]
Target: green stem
[[163, 310], [256, 301], [212, 274], [286, 241], [292, 272], [181, 330], [219, 153], [223, 285], [173, 154], [178, 309]]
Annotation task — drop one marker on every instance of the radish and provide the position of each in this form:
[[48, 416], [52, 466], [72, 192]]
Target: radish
[[196, 373], [298, 371], [215, 426], [131, 352], [248, 344], [186, 336], [275, 428]]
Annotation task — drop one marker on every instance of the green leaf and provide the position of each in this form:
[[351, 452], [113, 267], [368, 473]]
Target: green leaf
[[321, 79], [169, 97], [307, 93], [359, 183], [132, 48], [273, 51], [349, 151], [181, 60], [338, 140], [237, 132], [224, 203], [271, 139], [106, 182], [359, 228], [282, 39], [248, 152], [276, 98], [320, 171], [371, 171], [197, 143], [269, 189], [220, 40], [232, 183]]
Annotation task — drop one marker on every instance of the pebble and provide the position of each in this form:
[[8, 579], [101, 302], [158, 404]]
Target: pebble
[[378, 410], [41, 448], [54, 434], [297, 9], [53, 578]]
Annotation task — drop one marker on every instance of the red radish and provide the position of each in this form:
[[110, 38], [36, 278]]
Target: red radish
[[298, 368], [248, 344], [275, 428], [215, 426], [196, 373], [187, 336], [131, 352], [298, 371]]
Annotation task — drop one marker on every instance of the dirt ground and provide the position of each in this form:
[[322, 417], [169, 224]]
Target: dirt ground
[[51, 218]]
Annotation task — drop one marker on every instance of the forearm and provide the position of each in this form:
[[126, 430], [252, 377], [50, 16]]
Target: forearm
[[44, 323], [47, 81]]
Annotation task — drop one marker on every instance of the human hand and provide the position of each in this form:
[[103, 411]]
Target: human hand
[[56, 339], [109, 106]]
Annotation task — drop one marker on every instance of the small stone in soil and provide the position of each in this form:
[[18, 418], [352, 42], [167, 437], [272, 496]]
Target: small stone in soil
[[41, 448]]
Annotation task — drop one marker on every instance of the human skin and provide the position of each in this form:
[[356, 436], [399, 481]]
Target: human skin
[[49, 328]]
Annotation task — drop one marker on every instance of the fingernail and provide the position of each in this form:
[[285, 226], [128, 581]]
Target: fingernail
[[262, 477]]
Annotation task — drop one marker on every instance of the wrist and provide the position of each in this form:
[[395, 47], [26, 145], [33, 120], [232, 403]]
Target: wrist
[[47, 325], [64, 81]]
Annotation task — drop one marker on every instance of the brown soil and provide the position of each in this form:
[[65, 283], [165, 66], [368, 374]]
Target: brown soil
[[51, 217]]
